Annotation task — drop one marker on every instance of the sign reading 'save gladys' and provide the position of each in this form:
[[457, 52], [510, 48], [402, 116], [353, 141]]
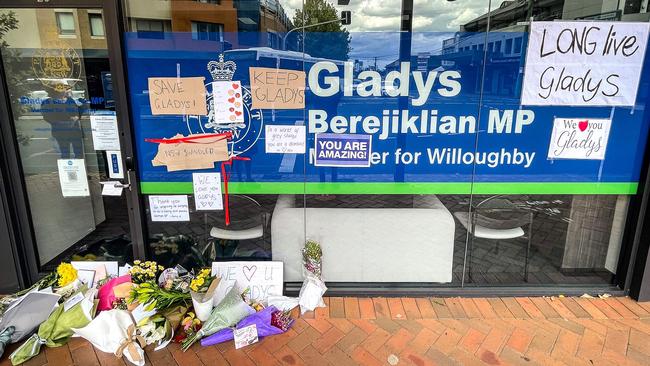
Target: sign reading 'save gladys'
[[584, 63]]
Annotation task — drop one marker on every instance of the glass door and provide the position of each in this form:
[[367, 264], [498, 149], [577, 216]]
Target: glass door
[[69, 132]]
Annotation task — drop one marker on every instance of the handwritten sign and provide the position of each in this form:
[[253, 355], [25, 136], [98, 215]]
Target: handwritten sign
[[227, 102], [177, 96], [584, 63], [169, 208], [207, 191], [277, 88], [285, 139], [579, 138], [198, 151], [343, 150], [245, 336], [263, 278]]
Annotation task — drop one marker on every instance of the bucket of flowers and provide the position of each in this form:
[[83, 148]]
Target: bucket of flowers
[[202, 289]]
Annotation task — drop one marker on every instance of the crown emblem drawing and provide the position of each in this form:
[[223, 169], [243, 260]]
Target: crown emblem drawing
[[222, 71]]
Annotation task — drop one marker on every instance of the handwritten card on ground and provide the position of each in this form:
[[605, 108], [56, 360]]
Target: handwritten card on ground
[[277, 88], [584, 63], [198, 151], [177, 95], [579, 138], [169, 208], [263, 278], [207, 191], [285, 139], [227, 102], [245, 336]]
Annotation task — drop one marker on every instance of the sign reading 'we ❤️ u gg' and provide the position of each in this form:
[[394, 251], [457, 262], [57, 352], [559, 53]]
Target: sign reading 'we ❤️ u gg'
[[579, 138], [228, 105], [262, 278]]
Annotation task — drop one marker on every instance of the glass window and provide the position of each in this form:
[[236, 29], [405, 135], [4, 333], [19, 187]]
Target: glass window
[[65, 23], [497, 46], [216, 2], [96, 25], [518, 45], [152, 28], [508, 49], [207, 31]]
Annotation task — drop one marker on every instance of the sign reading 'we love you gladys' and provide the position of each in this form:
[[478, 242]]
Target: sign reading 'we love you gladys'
[[578, 138], [584, 63]]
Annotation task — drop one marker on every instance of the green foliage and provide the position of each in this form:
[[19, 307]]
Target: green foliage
[[326, 40]]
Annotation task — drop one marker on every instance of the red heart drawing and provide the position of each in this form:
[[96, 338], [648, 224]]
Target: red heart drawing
[[582, 125], [231, 100], [238, 113], [235, 86], [231, 109]]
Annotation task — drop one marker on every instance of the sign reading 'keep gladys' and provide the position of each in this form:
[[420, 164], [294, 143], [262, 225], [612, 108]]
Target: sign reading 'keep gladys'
[[579, 138], [277, 88], [584, 63]]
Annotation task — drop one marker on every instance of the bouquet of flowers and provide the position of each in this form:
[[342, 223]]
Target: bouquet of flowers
[[229, 312], [202, 288], [57, 329], [313, 288], [154, 297], [67, 280], [112, 293], [156, 329], [269, 321], [142, 272], [188, 327]]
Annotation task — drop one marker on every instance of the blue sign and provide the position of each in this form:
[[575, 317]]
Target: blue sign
[[342, 150], [442, 122]]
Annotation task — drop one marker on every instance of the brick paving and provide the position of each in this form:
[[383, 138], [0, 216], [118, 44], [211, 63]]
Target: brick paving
[[425, 331]]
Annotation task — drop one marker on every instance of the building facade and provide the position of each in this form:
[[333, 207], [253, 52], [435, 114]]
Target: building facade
[[459, 192]]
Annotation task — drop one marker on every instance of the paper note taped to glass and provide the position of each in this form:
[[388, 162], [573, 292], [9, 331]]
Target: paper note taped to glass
[[198, 151]]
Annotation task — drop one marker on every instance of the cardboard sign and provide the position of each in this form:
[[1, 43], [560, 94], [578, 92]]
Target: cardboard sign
[[228, 103], [199, 151], [579, 138], [104, 132], [207, 191], [584, 63], [277, 88], [285, 139], [263, 278], [169, 208], [73, 178], [177, 96], [343, 150]]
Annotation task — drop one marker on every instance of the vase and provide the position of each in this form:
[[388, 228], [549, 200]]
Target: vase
[[202, 307]]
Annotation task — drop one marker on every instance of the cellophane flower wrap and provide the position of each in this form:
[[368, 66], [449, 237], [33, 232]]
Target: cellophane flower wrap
[[226, 314], [313, 288], [58, 328], [312, 258], [106, 294], [263, 320]]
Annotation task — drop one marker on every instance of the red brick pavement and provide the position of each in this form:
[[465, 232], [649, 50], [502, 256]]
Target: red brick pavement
[[425, 331]]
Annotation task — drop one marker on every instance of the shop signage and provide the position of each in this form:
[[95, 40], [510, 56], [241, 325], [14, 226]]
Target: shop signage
[[432, 129], [263, 279], [73, 178], [104, 131], [584, 63], [342, 150], [579, 138]]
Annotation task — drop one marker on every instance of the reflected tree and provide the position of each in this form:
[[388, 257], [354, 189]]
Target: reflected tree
[[330, 40]]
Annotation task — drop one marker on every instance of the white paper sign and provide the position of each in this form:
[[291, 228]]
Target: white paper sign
[[111, 188], [105, 133], [169, 208], [114, 159], [227, 102], [285, 139], [101, 269], [263, 278], [579, 138], [245, 336], [584, 63], [74, 300], [72, 177], [207, 191]]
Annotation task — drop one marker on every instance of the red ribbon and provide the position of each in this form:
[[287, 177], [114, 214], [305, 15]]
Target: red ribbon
[[226, 176], [190, 139]]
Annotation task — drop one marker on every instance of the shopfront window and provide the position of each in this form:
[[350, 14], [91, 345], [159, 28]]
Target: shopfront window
[[460, 188]]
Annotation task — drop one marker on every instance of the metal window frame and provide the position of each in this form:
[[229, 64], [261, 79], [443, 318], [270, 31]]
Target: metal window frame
[[23, 239]]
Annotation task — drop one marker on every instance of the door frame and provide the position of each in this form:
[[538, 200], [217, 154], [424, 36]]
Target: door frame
[[23, 242]]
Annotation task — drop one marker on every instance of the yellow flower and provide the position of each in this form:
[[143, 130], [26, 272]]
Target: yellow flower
[[66, 274]]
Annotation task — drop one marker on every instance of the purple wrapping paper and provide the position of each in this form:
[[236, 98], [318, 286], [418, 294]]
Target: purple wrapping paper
[[261, 319]]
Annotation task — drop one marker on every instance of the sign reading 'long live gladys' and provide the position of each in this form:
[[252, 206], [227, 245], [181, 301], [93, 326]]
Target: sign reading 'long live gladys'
[[584, 63]]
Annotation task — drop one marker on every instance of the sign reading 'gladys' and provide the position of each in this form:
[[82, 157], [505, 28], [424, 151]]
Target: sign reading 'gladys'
[[584, 63], [579, 138]]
